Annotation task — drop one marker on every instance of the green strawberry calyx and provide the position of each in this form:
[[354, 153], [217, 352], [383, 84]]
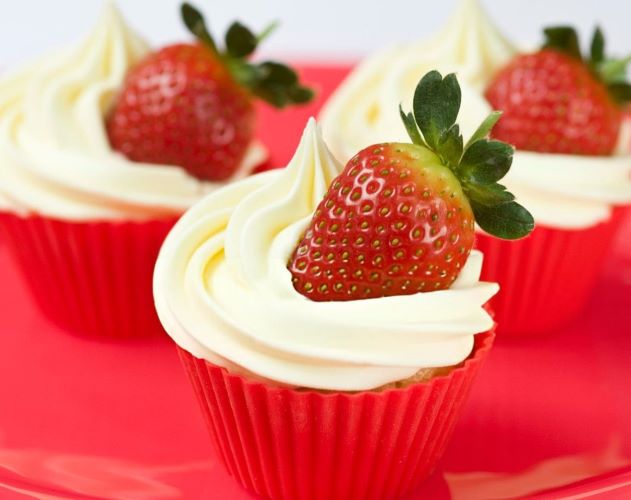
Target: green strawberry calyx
[[478, 164], [611, 72], [271, 81]]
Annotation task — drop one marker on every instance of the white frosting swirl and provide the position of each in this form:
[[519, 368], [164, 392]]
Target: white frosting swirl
[[55, 158], [223, 292], [560, 190]]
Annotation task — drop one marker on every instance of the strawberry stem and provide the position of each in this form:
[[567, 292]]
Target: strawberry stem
[[478, 165]]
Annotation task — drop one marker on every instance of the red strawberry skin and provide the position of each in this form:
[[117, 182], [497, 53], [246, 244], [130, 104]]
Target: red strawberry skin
[[394, 222], [552, 103], [181, 106]]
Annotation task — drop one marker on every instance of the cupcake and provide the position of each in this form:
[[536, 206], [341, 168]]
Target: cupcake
[[84, 221], [331, 320], [576, 199], [563, 113]]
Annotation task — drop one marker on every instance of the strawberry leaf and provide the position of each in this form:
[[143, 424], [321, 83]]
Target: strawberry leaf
[[485, 161], [277, 84], [509, 221], [299, 94], [411, 127], [614, 70], [450, 146], [195, 23], [240, 41], [278, 73], [621, 92], [564, 39], [485, 128], [597, 48], [267, 31], [247, 75], [488, 195], [281, 97], [436, 104]]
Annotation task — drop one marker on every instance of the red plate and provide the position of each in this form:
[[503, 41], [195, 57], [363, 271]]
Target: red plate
[[83, 419]]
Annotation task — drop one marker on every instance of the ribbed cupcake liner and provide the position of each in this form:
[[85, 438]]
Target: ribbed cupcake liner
[[545, 279], [90, 278], [293, 444]]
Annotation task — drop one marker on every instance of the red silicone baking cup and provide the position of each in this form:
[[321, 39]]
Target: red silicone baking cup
[[284, 443], [546, 278], [90, 278]]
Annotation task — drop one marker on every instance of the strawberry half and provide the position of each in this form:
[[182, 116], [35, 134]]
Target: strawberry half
[[555, 101], [400, 217], [191, 104]]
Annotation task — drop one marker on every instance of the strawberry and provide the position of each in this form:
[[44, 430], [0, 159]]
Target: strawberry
[[191, 105], [399, 219], [555, 101]]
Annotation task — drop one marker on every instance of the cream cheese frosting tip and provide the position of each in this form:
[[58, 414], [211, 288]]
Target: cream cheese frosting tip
[[223, 292], [55, 157], [569, 192]]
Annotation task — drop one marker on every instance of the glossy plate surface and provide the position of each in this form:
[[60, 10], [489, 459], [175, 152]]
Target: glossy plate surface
[[86, 419]]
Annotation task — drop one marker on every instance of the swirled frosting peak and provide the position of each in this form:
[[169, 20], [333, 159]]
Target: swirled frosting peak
[[55, 157], [224, 293]]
